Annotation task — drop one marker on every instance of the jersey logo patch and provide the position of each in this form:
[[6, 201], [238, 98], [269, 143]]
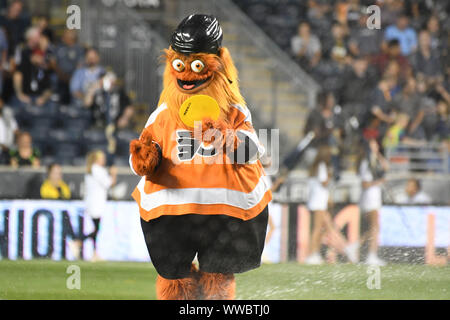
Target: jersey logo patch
[[188, 147]]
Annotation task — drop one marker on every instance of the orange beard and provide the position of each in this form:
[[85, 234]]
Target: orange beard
[[219, 67]]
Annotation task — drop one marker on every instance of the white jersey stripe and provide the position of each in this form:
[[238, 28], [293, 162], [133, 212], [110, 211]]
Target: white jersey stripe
[[182, 196]]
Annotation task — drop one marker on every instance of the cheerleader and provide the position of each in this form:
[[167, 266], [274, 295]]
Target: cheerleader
[[372, 166], [318, 196]]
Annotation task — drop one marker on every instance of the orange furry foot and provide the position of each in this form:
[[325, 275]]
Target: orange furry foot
[[178, 289], [217, 286]]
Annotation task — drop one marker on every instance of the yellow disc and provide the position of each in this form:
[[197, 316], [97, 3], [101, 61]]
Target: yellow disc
[[198, 107]]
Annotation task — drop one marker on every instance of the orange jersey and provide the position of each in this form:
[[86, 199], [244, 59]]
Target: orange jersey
[[191, 180]]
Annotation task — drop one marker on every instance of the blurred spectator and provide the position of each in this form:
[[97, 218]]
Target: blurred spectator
[[413, 194], [433, 27], [109, 102], [3, 57], [406, 35], [68, 57], [54, 187], [8, 129], [324, 122], [86, 78], [364, 41], [32, 78], [426, 61], [306, 47], [442, 125], [321, 119], [361, 79], [396, 132], [336, 42], [379, 113], [25, 154], [390, 11], [111, 108], [319, 17], [15, 25], [410, 102], [392, 54], [42, 22]]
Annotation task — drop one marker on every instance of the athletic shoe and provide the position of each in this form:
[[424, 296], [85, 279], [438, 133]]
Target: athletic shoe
[[351, 251], [314, 259], [374, 260]]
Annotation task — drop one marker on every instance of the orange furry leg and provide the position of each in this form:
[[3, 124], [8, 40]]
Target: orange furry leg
[[217, 286], [178, 289]]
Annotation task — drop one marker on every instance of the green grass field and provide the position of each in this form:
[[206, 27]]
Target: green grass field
[[45, 279]]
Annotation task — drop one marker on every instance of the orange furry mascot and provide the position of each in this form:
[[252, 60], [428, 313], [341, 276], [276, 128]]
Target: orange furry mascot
[[200, 196]]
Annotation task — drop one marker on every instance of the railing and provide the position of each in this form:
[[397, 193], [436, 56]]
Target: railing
[[430, 157]]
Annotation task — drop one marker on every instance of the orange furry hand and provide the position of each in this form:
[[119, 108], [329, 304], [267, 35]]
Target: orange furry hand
[[146, 155], [212, 129]]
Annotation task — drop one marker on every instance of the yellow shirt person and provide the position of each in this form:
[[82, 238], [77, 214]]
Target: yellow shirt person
[[54, 187]]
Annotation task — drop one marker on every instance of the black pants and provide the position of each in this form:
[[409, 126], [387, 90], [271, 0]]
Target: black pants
[[223, 244]]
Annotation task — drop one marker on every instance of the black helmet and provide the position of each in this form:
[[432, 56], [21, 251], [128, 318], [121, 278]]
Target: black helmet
[[197, 33]]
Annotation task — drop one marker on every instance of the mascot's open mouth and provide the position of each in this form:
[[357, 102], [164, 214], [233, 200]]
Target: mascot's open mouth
[[191, 85]]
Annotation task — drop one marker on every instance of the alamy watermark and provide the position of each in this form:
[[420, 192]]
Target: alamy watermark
[[73, 281], [374, 20], [73, 20], [374, 280]]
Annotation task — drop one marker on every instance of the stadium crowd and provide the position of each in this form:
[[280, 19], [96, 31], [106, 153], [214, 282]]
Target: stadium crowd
[[390, 84], [58, 102]]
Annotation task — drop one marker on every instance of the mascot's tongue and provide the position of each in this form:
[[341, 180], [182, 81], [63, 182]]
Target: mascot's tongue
[[188, 86]]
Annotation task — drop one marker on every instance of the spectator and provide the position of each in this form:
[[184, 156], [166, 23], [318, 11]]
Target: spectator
[[32, 78], [68, 57], [3, 57], [406, 35], [25, 154], [306, 47], [54, 187], [392, 54], [426, 61], [379, 113], [109, 103], [42, 23], [397, 132], [364, 41], [433, 28], [8, 129], [87, 78], [410, 102], [336, 43], [15, 25], [360, 78], [413, 194], [321, 120], [442, 125]]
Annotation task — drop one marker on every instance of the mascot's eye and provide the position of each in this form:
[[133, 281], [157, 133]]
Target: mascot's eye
[[178, 65], [197, 66]]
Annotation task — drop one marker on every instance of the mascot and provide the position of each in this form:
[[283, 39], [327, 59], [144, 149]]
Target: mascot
[[202, 192]]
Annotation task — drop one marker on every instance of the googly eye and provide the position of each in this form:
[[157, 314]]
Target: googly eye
[[178, 65], [197, 66]]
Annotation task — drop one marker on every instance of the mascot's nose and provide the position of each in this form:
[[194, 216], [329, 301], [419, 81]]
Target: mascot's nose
[[197, 33]]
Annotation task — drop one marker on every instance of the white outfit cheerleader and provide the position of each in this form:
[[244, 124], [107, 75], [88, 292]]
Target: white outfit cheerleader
[[317, 193], [371, 199], [97, 184]]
